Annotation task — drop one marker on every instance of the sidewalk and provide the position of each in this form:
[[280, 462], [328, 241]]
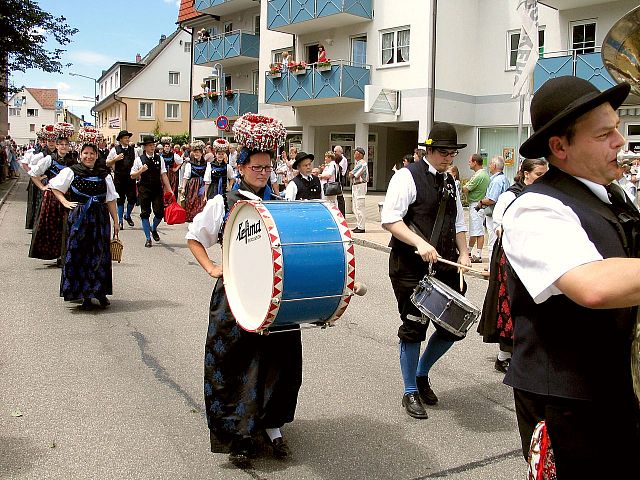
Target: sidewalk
[[5, 188]]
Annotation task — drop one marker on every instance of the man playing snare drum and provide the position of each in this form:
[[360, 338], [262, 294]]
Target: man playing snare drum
[[410, 211]]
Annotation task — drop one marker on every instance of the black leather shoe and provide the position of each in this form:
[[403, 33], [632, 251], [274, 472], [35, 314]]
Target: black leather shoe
[[280, 448], [154, 234], [147, 244], [121, 226], [86, 305], [502, 365], [358, 230], [413, 406], [426, 393], [129, 221], [104, 302], [241, 452]]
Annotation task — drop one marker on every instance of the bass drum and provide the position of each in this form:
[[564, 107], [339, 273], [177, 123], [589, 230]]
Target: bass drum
[[287, 263]]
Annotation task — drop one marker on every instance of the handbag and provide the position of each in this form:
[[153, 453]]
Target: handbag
[[174, 214], [333, 188], [116, 246]]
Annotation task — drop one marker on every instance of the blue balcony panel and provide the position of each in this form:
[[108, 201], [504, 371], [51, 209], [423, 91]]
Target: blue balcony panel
[[231, 106], [224, 7], [588, 66], [342, 83], [306, 16], [235, 48]]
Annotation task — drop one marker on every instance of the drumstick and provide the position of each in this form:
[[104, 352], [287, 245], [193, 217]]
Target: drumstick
[[461, 279], [459, 265]]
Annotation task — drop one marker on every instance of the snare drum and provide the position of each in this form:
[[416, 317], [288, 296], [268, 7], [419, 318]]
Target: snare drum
[[444, 306], [287, 263]]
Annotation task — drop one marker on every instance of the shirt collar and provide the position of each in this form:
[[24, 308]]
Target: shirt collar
[[597, 189]]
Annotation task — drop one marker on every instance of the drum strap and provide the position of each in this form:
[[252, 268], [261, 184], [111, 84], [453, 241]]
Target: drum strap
[[437, 225]]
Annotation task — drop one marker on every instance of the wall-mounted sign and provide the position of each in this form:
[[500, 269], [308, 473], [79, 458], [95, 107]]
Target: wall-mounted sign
[[114, 122]]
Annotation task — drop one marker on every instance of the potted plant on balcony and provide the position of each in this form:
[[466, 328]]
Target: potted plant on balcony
[[298, 68], [213, 95], [229, 94], [199, 97], [324, 65], [275, 70]]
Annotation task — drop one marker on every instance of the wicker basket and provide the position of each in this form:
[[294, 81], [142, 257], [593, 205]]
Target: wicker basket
[[116, 250]]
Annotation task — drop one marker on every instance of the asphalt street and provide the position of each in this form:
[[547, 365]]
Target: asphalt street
[[117, 394]]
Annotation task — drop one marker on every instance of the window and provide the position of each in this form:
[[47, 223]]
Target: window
[[228, 27], [32, 112], [633, 129], [32, 127], [256, 24], [359, 50], [14, 112], [395, 46], [541, 43], [187, 47], [173, 111], [174, 78], [276, 55], [256, 81], [146, 110], [116, 79], [583, 36], [142, 135], [513, 40], [211, 84]]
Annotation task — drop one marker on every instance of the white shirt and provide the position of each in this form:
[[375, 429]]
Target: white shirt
[[113, 153], [40, 167], [63, 180], [292, 189], [137, 164], [504, 200], [344, 164], [402, 193], [544, 239], [206, 224]]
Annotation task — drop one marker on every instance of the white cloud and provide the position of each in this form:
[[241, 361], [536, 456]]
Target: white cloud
[[87, 57], [62, 86], [174, 2]]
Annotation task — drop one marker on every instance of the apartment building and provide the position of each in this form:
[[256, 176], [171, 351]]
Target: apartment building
[[30, 109]]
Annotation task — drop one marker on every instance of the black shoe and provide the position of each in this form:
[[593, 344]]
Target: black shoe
[[413, 406], [358, 230], [280, 448], [121, 226], [129, 221], [426, 393], [154, 234], [241, 452], [104, 302], [148, 243], [86, 305], [59, 262], [502, 365]]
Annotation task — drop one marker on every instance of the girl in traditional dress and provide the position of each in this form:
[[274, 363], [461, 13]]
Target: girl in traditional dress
[[46, 239], [219, 172], [86, 273], [172, 162], [194, 187], [251, 381]]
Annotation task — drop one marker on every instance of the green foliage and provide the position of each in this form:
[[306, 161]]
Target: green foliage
[[24, 31]]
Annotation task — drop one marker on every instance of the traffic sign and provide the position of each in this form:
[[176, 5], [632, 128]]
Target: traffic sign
[[222, 122]]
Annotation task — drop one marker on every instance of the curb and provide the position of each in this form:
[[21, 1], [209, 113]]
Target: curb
[[8, 191]]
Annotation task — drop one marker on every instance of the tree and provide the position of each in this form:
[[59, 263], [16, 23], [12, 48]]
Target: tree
[[24, 30]]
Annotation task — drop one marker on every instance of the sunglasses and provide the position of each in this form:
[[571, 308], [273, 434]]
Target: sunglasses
[[261, 168], [447, 153]]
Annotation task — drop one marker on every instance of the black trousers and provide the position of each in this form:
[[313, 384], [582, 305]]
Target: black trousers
[[126, 188], [589, 439], [151, 198], [341, 204]]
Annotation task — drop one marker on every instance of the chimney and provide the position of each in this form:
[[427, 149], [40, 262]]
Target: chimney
[[138, 58], [162, 38]]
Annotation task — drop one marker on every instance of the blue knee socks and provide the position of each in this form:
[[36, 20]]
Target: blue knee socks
[[130, 207], [409, 353], [436, 347], [146, 228], [120, 213], [156, 222]]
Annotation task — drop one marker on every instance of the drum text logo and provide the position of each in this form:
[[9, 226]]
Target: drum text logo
[[248, 232]]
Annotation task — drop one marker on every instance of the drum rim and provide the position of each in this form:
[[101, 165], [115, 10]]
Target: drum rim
[[458, 298]]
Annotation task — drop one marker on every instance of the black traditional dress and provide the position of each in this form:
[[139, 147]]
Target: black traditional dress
[[170, 162], [87, 264], [218, 184], [194, 193], [251, 381]]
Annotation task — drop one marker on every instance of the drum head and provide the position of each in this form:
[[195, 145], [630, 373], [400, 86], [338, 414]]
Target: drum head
[[248, 266]]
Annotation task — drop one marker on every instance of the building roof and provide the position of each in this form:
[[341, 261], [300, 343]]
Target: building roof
[[46, 97], [187, 11], [155, 51]]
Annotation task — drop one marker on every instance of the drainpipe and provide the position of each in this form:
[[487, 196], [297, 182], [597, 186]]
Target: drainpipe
[[432, 79], [190, 77]]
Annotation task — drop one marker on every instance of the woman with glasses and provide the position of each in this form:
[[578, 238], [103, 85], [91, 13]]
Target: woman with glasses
[[251, 381]]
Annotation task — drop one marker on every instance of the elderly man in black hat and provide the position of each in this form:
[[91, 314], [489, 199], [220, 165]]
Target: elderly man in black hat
[[423, 212], [303, 186], [120, 160], [573, 288], [151, 173]]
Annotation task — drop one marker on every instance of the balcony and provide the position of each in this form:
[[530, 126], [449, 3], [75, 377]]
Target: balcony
[[588, 66], [342, 82], [228, 49], [306, 16], [569, 4], [224, 7], [232, 105]]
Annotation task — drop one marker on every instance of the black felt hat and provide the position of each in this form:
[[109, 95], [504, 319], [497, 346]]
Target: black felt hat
[[560, 101], [442, 135], [301, 156], [123, 133], [147, 139]]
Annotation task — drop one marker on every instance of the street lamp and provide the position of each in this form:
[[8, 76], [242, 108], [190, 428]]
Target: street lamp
[[95, 94]]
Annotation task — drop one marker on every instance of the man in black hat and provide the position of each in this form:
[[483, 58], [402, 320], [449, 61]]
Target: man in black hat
[[423, 212], [303, 186], [573, 288], [151, 173], [120, 160]]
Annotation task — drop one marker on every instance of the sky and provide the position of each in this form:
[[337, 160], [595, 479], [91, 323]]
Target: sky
[[108, 31]]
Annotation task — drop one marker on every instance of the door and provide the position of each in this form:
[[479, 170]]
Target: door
[[359, 50]]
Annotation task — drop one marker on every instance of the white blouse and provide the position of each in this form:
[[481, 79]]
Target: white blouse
[[63, 180], [206, 225], [40, 167]]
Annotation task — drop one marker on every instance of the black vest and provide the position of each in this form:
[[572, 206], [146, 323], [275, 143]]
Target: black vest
[[561, 348], [58, 163], [152, 177], [84, 186], [422, 214], [308, 189], [122, 168], [169, 159]]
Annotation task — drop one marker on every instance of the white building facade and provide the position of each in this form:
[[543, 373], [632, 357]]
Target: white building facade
[[29, 110]]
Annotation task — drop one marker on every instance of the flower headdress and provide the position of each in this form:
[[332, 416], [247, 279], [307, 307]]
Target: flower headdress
[[197, 145], [63, 130], [258, 133], [220, 145], [165, 140], [88, 135], [49, 132]]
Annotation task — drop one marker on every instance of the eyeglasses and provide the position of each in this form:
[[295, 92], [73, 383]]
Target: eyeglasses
[[261, 168], [447, 153]]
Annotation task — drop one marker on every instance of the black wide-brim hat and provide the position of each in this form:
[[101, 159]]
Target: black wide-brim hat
[[560, 101], [123, 133], [301, 156], [442, 135], [146, 140]]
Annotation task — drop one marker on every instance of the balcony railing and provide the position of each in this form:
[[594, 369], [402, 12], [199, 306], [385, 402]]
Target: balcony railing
[[231, 104], [306, 16], [233, 48], [588, 66], [224, 7], [340, 82]]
